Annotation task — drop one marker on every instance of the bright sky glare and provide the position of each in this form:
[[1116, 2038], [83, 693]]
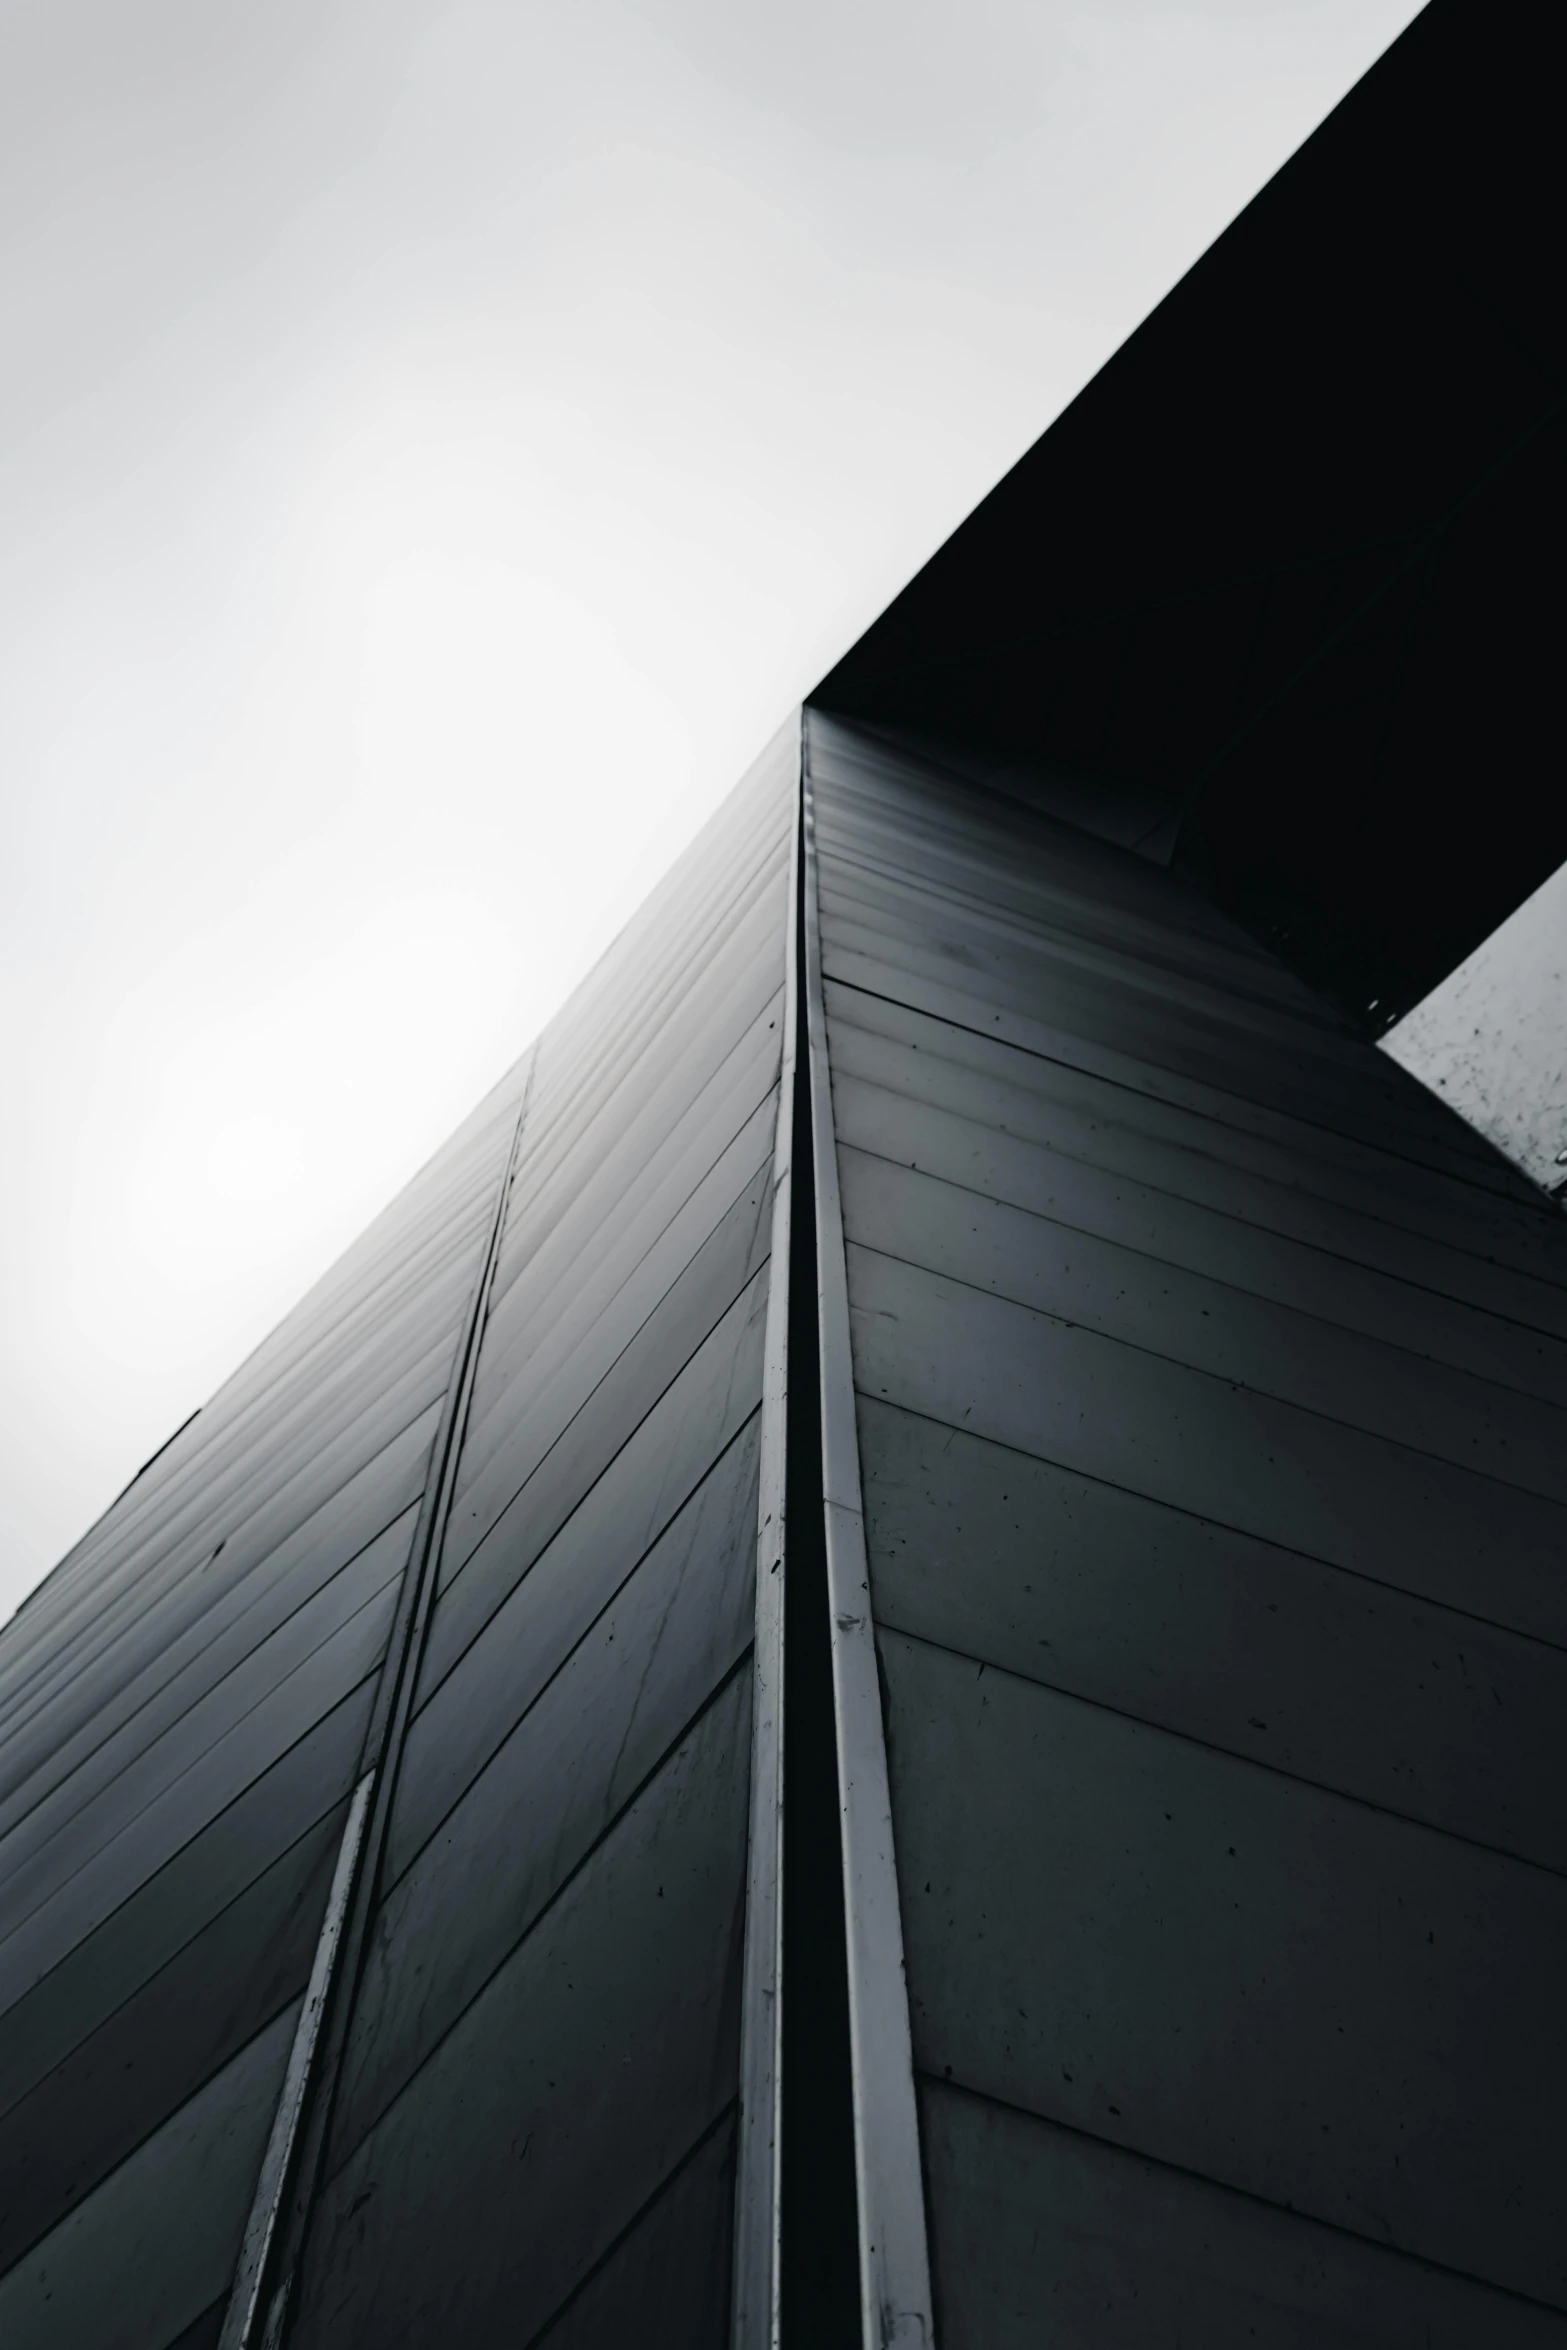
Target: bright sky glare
[[441, 440]]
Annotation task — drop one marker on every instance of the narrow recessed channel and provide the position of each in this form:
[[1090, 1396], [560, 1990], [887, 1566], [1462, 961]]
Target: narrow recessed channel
[[820, 2259]]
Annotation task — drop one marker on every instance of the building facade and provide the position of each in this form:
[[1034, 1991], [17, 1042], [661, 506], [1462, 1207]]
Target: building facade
[[889, 1665]]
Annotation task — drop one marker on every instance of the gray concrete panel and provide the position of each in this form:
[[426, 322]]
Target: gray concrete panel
[[1125, 1291], [635, 1490], [152, 2247], [1209, 1413], [207, 1635], [1145, 1054], [554, 1329], [982, 1154], [1223, 1968], [1244, 1645], [1361, 1206], [636, 1357], [584, 2076], [1192, 1439], [593, 1715], [151, 1835], [666, 2283], [1043, 2234], [111, 1964], [93, 2110], [127, 1772], [1516, 1234], [1217, 1037]]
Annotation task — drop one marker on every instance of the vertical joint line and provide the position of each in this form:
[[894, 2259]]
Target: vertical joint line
[[272, 2241], [895, 2295]]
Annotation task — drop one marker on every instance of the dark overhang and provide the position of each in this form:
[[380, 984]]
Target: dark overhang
[[1278, 591]]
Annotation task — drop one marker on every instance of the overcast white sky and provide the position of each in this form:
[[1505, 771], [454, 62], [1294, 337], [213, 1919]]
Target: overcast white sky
[[437, 445]]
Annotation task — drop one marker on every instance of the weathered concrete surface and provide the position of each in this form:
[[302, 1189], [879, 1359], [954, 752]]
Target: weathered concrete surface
[[1492, 1039]]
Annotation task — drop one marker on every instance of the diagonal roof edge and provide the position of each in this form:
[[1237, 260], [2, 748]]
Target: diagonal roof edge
[[1287, 562]]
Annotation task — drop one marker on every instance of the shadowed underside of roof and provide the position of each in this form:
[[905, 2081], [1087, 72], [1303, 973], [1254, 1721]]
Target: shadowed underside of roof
[[1285, 572]]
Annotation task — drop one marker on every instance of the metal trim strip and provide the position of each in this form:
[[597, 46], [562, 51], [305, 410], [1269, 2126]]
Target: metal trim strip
[[275, 2163], [758, 2175], [896, 2311]]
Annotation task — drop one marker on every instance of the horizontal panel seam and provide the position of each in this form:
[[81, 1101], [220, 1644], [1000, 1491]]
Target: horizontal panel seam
[[366, 1680], [229, 1671], [671, 2178], [129, 1601], [1268, 1232], [1146, 1256], [1230, 1754], [562, 1175], [1367, 1094], [290, 1999], [1232, 1167], [1058, 1060], [1360, 1125], [1224, 1526], [1123, 975], [1290, 2211], [568, 1266], [196, 1762], [546, 1908], [556, 1531], [339, 1802], [239, 1443], [1097, 935], [1154, 1354], [517, 1337], [612, 1367], [585, 1634]]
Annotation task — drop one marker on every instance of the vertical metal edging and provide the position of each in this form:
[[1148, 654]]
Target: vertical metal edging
[[895, 2296], [758, 2179], [306, 2092], [272, 2182]]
